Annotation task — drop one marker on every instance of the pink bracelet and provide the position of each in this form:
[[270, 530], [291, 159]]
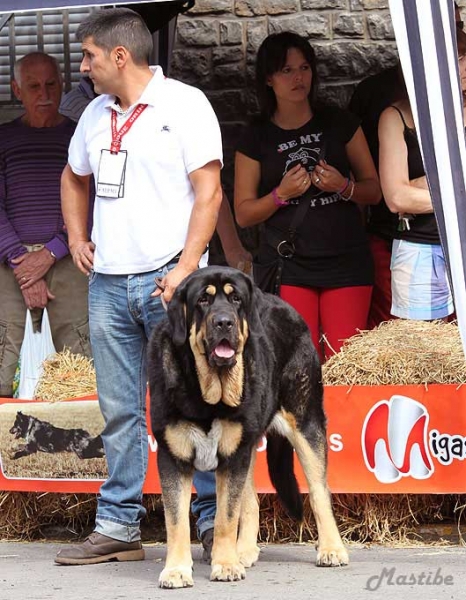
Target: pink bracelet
[[277, 200], [343, 189], [350, 195]]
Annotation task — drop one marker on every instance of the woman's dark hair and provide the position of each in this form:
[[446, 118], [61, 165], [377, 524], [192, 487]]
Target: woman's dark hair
[[271, 58], [461, 43]]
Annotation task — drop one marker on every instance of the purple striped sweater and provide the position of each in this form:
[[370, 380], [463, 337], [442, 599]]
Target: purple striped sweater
[[31, 163]]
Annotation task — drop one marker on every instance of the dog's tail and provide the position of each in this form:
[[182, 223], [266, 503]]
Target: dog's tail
[[280, 463]]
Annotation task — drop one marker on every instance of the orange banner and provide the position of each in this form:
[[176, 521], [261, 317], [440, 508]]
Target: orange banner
[[387, 439]]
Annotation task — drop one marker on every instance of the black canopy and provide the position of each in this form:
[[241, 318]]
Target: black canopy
[[156, 13], [14, 6]]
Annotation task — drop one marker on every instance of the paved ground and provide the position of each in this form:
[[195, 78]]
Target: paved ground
[[284, 572]]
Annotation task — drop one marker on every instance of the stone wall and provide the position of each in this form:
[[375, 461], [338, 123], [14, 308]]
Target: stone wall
[[217, 42]]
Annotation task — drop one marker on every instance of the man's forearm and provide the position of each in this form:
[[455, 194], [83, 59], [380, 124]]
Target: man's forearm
[[226, 227], [75, 205], [204, 216], [10, 244], [201, 228]]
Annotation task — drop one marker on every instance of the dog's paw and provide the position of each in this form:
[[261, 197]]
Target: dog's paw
[[227, 572], [248, 556], [332, 557], [176, 577]]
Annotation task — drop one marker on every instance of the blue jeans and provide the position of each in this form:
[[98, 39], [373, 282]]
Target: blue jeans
[[122, 315], [205, 504]]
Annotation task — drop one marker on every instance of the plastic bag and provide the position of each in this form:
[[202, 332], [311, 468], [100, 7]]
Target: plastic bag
[[36, 347]]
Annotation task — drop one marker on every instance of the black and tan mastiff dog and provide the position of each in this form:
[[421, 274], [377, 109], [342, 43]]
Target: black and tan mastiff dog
[[228, 365]]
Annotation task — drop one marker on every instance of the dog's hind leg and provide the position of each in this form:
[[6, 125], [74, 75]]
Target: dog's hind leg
[[176, 496], [226, 565], [312, 453], [247, 548]]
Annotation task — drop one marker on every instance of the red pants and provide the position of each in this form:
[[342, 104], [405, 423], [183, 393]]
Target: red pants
[[381, 303], [332, 315]]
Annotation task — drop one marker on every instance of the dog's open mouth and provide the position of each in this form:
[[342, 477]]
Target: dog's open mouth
[[223, 354], [224, 350]]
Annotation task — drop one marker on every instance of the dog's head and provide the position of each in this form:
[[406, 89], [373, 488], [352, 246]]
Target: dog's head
[[210, 308], [20, 426]]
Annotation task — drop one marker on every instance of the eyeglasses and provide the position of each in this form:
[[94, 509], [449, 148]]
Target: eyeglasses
[[460, 24]]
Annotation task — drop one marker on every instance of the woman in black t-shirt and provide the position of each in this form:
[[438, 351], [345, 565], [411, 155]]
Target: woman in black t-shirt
[[296, 153]]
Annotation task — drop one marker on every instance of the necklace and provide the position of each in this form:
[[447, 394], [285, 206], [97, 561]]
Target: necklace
[[120, 111]]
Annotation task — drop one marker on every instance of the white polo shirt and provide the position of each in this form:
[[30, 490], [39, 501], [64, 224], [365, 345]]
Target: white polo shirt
[[176, 134]]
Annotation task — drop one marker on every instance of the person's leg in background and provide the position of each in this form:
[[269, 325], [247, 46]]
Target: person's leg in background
[[68, 312], [344, 311], [306, 302], [381, 301], [12, 318], [204, 507]]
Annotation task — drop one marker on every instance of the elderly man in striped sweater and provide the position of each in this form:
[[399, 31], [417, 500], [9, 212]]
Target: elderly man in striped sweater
[[36, 269]]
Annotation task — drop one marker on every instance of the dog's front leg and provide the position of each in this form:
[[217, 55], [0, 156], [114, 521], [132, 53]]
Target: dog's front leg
[[22, 450], [226, 565], [248, 550], [176, 495]]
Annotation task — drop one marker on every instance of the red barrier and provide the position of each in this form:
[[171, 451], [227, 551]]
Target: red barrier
[[387, 439]]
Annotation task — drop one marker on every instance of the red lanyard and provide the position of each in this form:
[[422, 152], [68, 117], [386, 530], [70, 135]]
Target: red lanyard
[[117, 135]]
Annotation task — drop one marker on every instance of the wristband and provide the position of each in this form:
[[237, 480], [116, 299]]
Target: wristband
[[350, 195], [277, 201], [343, 189]]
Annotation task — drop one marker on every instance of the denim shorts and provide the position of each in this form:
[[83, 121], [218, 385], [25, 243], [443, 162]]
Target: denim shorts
[[420, 286]]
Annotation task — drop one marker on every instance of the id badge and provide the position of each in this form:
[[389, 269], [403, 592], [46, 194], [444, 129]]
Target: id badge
[[111, 175]]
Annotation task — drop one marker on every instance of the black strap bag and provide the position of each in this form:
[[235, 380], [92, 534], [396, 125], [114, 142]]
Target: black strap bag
[[268, 276]]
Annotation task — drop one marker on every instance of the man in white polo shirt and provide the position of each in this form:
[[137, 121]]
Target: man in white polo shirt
[[154, 147]]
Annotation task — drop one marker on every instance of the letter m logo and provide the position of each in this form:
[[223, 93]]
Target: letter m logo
[[394, 440]]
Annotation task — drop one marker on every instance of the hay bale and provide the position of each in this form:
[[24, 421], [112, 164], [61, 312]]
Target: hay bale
[[66, 375], [400, 352], [27, 516], [389, 519]]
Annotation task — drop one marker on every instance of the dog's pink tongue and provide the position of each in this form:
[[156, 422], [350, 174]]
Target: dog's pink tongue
[[224, 351]]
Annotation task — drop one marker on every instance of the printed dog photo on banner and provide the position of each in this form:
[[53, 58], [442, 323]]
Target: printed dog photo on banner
[[60, 440]]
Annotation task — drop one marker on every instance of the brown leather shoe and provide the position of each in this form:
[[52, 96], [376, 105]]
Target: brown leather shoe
[[98, 548]]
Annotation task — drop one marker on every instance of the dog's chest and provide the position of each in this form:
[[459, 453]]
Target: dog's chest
[[191, 443], [205, 446]]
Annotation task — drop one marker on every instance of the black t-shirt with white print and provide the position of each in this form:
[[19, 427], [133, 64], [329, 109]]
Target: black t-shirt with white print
[[331, 245]]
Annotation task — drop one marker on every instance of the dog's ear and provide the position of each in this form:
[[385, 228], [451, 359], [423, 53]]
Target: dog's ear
[[176, 312], [256, 299]]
